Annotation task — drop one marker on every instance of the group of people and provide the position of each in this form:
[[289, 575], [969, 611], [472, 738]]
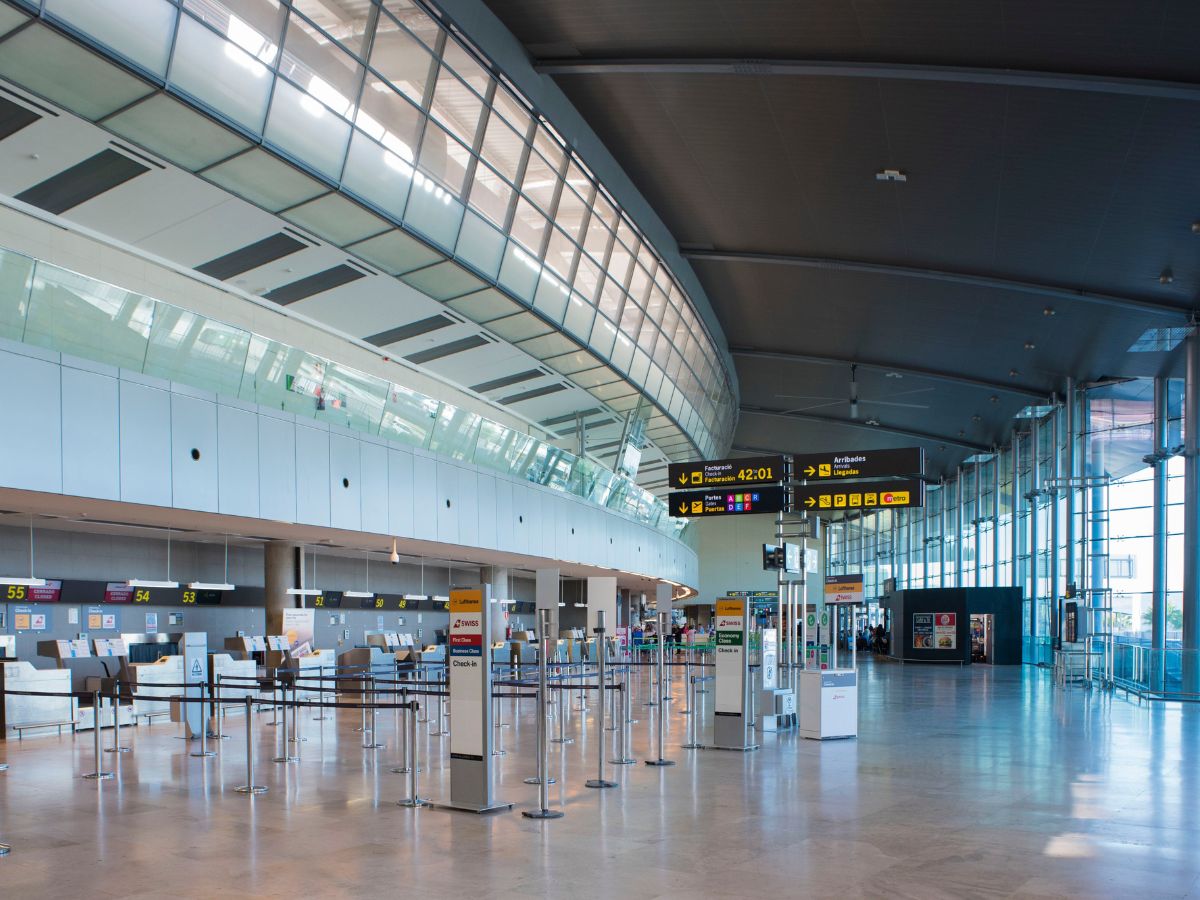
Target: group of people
[[679, 635], [873, 638]]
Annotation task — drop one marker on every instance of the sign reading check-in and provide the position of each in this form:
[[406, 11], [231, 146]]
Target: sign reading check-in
[[726, 472]]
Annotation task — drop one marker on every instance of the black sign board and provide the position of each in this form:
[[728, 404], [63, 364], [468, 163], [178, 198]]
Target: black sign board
[[328, 600], [725, 472], [894, 494], [859, 464], [731, 502]]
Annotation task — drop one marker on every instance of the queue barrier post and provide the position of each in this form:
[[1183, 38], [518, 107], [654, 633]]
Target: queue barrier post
[[661, 730], [296, 737], [250, 787], [203, 752], [406, 757], [692, 742], [218, 712], [5, 849], [116, 747], [412, 801], [543, 779], [369, 742], [600, 781], [98, 775], [284, 756], [623, 758], [320, 716]]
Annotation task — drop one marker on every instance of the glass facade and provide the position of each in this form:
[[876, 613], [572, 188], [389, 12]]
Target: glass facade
[[383, 101], [47, 306]]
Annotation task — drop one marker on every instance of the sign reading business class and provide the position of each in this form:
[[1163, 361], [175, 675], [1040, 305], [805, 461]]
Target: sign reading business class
[[859, 464], [729, 502], [726, 472]]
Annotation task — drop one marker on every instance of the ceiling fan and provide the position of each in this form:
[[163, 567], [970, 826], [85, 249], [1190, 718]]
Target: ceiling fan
[[853, 401]]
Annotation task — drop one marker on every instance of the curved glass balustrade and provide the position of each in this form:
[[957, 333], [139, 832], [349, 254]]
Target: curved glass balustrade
[[379, 98], [48, 306]]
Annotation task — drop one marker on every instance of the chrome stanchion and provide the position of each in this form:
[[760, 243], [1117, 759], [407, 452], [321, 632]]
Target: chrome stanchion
[[284, 756], [562, 701], [405, 763], [692, 743], [659, 761], [274, 704], [218, 712], [543, 779], [600, 781], [203, 752], [498, 750], [613, 714], [116, 747], [625, 759], [250, 787], [320, 716], [689, 699], [441, 697], [5, 849], [369, 742], [412, 801], [96, 710]]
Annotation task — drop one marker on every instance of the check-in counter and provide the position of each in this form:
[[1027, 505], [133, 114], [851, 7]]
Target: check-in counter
[[30, 713], [312, 667], [433, 653], [8, 646], [152, 681], [244, 673]]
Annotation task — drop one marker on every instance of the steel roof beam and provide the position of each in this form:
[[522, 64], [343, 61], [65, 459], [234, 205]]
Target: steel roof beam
[[1155, 307], [817, 68], [854, 423], [938, 375]]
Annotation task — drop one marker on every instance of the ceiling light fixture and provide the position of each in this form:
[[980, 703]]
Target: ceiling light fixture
[[977, 418], [873, 422], [358, 593], [23, 582], [1196, 228], [1048, 311], [994, 398], [1030, 345], [890, 175], [303, 592], [1166, 276], [209, 586], [1013, 373], [893, 375], [146, 583]]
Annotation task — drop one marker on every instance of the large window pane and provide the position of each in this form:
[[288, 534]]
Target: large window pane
[[598, 239], [529, 226], [408, 416], [571, 212], [454, 432], [466, 66], [16, 281], [561, 253], [377, 175], [457, 107], [320, 68], [307, 130], [502, 147], [221, 73], [516, 115], [504, 449], [587, 278], [402, 60], [540, 182], [353, 399], [139, 30], [197, 351], [443, 158], [389, 119], [345, 22], [414, 19], [491, 194]]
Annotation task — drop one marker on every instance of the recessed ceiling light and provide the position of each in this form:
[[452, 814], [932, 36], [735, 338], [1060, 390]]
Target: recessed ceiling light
[[1048, 311], [1030, 345], [1013, 373], [1196, 228], [1166, 276], [893, 375], [977, 418], [962, 433], [994, 398], [872, 422], [890, 175]]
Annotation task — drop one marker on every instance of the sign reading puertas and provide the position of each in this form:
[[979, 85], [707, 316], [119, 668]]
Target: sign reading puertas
[[732, 502]]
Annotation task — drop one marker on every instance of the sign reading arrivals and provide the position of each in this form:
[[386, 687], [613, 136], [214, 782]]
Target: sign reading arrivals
[[726, 472], [733, 502], [860, 464], [896, 494]]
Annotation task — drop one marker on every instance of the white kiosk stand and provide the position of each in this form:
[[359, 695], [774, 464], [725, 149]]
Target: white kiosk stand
[[469, 642], [731, 709], [829, 697]]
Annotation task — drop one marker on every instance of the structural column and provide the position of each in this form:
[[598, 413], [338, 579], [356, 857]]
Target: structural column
[[279, 575], [925, 546], [995, 517], [1158, 597], [1056, 609], [958, 528], [1191, 516], [942, 535], [1072, 424], [1035, 477], [1014, 496]]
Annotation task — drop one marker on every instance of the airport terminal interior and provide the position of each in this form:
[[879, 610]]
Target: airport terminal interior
[[593, 448]]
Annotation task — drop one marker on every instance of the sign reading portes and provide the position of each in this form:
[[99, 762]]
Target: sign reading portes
[[859, 464], [867, 495], [726, 472], [731, 502]]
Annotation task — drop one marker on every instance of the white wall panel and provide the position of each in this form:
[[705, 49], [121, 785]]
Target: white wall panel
[[193, 427], [277, 468], [506, 536], [312, 475], [373, 493], [485, 509], [145, 444], [345, 482], [468, 507], [91, 437], [425, 497], [400, 492], [31, 452], [237, 461], [447, 502]]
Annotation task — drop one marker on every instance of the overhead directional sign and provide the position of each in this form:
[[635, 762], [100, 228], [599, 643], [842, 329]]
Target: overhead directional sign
[[859, 464], [736, 502], [895, 494], [726, 472]]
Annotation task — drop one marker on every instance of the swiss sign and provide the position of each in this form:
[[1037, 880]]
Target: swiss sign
[[730, 502], [896, 494], [726, 472], [859, 464]]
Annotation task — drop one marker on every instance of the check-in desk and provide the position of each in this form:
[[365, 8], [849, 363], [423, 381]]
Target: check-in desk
[[154, 680], [8, 646], [35, 714], [309, 669], [244, 683]]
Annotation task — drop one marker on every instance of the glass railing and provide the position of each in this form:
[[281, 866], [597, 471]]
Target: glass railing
[[47, 306], [1166, 674]]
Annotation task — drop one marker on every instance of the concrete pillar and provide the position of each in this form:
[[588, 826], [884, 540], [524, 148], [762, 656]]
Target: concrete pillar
[[1158, 598], [546, 592], [602, 595], [1190, 637], [281, 563], [497, 577]]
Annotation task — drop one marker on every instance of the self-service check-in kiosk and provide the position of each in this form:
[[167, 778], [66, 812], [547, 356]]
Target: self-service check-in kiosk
[[829, 694], [731, 708]]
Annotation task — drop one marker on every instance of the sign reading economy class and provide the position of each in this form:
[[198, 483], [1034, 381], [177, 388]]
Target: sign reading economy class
[[895, 494], [726, 472], [731, 502], [860, 464]]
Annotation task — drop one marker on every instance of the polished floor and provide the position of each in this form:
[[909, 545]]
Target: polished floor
[[963, 783]]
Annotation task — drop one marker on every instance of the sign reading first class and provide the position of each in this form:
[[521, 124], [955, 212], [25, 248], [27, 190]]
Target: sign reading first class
[[726, 472]]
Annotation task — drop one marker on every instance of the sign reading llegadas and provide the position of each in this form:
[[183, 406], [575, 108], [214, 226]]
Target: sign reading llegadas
[[725, 472], [859, 464], [895, 494]]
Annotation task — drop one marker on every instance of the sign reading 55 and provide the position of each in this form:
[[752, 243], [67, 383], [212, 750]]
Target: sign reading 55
[[16, 592]]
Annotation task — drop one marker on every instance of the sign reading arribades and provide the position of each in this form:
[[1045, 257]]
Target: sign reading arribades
[[466, 657], [859, 464]]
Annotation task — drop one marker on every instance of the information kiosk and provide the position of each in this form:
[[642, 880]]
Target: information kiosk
[[829, 695]]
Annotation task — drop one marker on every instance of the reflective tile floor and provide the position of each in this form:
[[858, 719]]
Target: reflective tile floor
[[963, 783]]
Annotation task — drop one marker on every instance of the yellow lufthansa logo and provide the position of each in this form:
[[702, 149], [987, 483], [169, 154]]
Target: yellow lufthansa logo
[[466, 600], [730, 607]]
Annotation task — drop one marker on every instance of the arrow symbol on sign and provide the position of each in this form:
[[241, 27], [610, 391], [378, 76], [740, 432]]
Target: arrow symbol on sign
[[682, 508], [810, 502], [683, 477], [810, 471]]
